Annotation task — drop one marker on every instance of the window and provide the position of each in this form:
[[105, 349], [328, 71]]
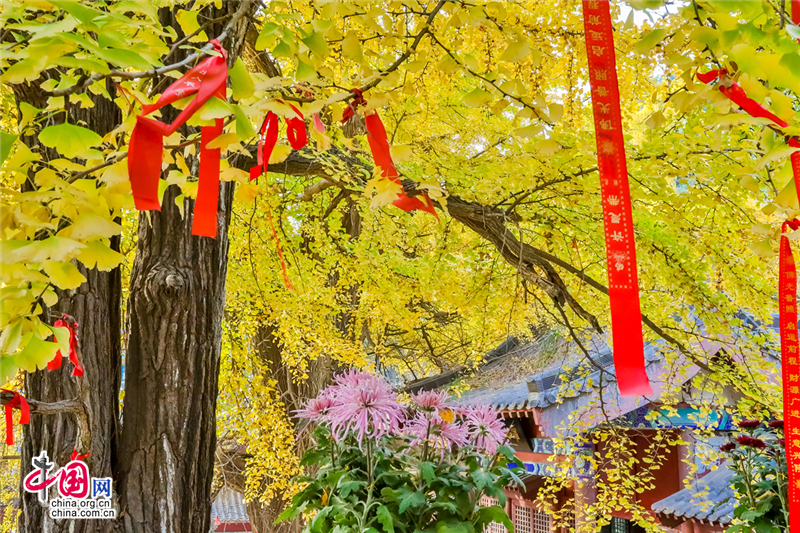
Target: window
[[522, 519], [619, 525], [542, 522]]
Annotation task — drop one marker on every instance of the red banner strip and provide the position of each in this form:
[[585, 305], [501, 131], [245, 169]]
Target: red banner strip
[[147, 140], [73, 353], [796, 13], [787, 295], [379, 145], [623, 284], [25, 414], [795, 162]]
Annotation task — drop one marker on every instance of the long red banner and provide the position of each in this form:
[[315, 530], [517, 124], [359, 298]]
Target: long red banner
[[623, 284], [787, 296]]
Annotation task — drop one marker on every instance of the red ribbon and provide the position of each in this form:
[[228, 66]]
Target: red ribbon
[[73, 354], [25, 414], [358, 100], [787, 296], [268, 138], [623, 284], [147, 142], [795, 162], [736, 94], [796, 13], [379, 145]]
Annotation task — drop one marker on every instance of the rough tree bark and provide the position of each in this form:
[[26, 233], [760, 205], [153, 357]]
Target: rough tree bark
[[175, 308], [95, 305]]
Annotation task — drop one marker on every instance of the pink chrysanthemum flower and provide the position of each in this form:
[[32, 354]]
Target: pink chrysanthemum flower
[[369, 407], [439, 432], [316, 409], [431, 401], [486, 428]]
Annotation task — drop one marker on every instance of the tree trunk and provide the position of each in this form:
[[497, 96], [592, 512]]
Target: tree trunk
[[95, 306], [175, 308]]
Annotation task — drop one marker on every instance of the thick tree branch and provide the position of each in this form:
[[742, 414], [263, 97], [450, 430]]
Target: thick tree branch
[[44, 408]]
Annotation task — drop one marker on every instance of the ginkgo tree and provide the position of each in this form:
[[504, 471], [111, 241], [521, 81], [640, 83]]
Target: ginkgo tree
[[487, 110]]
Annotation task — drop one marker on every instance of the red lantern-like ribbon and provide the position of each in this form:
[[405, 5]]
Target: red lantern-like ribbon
[[623, 284], [73, 354], [787, 296], [25, 414], [147, 142]]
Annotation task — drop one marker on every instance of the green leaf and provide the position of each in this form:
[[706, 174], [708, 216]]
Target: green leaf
[[495, 513], [305, 72], [79, 11], [290, 513], [244, 129], [427, 470], [28, 113], [347, 487], [412, 499], [35, 355], [453, 526], [215, 108], [478, 98], [649, 41], [385, 518], [7, 140], [124, 58], [268, 37], [241, 82], [25, 70], [317, 44], [70, 140], [482, 478]]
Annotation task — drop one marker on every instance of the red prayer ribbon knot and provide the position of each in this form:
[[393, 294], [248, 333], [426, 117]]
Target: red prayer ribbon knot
[[72, 326], [787, 302], [623, 283], [25, 414], [358, 101], [736, 94], [146, 145]]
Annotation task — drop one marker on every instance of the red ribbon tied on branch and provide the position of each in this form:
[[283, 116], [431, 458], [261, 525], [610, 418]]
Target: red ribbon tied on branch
[[146, 145], [379, 145], [736, 94], [623, 283], [73, 343], [268, 138], [787, 297], [25, 414]]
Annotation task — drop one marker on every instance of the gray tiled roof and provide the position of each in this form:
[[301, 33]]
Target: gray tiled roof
[[229, 507], [710, 498]]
